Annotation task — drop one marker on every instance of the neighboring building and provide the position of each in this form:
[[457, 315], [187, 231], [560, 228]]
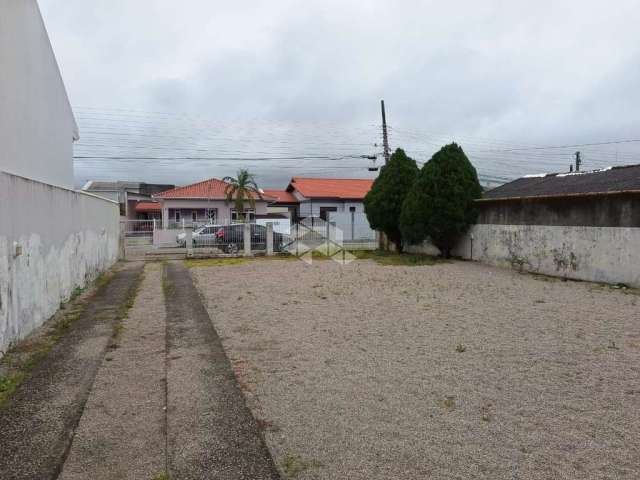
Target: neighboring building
[[37, 126], [52, 238], [127, 194], [582, 225], [284, 205], [318, 197], [204, 202], [148, 211]]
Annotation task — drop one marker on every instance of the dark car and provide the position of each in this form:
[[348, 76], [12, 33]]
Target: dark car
[[230, 238]]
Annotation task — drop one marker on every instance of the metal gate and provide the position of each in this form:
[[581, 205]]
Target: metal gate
[[137, 236]]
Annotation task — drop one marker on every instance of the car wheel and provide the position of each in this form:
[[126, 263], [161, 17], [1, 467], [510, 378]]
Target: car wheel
[[232, 248]]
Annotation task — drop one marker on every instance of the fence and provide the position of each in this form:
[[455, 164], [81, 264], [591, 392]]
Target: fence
[[354, 230], [343, 231], [140, 228]]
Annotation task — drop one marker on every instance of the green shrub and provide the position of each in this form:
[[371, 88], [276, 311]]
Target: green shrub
[[440, 205], [383, 203]]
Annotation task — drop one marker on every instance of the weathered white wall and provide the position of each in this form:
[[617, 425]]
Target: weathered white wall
[[67, 238], [37, 127], [312, 208], [597, 254]]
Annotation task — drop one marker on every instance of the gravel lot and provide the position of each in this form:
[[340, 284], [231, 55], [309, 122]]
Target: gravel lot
[[456, 370]]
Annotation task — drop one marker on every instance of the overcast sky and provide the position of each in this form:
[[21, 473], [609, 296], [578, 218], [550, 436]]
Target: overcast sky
[[278, 78]]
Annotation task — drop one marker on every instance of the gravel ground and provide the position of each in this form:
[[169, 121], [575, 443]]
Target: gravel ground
[[456, 370]]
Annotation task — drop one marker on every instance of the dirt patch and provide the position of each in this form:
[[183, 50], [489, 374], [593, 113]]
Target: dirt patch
[[451, 370]]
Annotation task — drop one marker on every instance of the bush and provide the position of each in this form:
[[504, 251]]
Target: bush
[[440, 204], [383, 203]]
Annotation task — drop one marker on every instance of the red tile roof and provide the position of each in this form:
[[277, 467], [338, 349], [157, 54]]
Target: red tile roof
[[281, 196], [147, 207], [341, 188], [207, 189]]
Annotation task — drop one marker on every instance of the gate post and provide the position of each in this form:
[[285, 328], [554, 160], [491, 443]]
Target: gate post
[[188, 237], [328, 237], [269, 238], [247, 239]]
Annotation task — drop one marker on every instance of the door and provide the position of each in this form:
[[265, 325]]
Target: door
[[324, 212]]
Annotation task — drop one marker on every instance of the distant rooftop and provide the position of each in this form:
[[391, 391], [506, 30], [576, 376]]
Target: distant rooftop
[[137, 187], [207, 189], [281, 196], [339, 188], [596, 182]]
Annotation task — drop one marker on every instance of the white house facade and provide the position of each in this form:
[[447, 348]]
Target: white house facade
[[205, 202], [37, 126], [319, 197]]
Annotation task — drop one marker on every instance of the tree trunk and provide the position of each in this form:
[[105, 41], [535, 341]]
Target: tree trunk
[[397, 241]]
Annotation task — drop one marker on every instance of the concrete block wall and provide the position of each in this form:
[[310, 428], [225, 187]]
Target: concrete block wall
[[597, 254], [52, 240]]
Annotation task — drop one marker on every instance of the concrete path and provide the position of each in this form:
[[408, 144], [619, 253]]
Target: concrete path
[[37, 425], [122, 430], [151, 396], [211, 432]]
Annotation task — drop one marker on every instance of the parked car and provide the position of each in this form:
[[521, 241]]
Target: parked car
[[230, 238]]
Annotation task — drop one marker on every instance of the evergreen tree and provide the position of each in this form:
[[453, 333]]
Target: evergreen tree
[[440, 204], [383, 203]]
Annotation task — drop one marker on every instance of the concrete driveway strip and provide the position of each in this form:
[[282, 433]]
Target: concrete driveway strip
[[121, 434], [211, 432], [37, 425]]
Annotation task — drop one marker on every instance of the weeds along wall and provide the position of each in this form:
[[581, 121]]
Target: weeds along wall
[[52, 241]]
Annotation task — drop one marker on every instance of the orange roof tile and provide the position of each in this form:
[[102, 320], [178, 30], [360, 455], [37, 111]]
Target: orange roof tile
[[207, 189], [147, 207], [342, 188], [281, 196]]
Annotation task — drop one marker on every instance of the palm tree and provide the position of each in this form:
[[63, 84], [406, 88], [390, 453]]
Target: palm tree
[[240, 190]]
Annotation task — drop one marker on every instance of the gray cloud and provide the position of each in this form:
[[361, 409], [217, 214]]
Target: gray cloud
[[259, 77]]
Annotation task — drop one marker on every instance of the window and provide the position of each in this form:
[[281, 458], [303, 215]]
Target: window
[[249, 215], [177, 215], [212, 214], [352, 209], [194, 216]]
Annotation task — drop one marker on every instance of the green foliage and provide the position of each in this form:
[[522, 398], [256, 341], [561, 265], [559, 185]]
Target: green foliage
[[9, 384], [383, 203], [440, 203], [240, 190]]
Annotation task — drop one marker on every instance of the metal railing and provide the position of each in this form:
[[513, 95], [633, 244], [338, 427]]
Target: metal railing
[[136, 228]]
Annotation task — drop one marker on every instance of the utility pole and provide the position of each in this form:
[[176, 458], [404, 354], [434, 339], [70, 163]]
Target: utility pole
[[385, 137], [578, 161]]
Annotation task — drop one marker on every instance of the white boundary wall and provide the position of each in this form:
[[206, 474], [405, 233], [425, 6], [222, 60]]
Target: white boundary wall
[[596, 254], [52, 240]]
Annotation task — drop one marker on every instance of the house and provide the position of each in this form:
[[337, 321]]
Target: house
[[284, 204], [127, 194], [581, 225], [53, 239], [317, 197], [203, 202]]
